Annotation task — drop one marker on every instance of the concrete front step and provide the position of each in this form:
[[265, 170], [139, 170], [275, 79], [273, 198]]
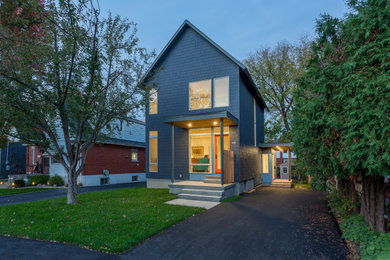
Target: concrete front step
[[197, 187], [217, 181], [203, 192], [189, 196], [213, 177]]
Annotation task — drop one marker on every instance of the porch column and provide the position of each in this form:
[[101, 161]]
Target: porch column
[[221, 138], [289, 164], [173, 155]]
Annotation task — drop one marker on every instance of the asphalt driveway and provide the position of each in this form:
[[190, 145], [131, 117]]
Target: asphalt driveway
[[60, 192], [267, 224]]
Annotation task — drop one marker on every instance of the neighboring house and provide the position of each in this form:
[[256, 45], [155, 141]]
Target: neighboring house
[[121, 158], [200, 93], [12, 160], [282, 164]]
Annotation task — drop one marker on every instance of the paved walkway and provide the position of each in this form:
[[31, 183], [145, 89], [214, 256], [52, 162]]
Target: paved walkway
[[50, 194], [270, 223]]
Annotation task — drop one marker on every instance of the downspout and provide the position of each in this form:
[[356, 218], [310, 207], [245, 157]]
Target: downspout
[[173, 154]]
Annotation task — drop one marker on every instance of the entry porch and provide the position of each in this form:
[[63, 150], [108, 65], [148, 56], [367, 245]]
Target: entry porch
[[270, 167]]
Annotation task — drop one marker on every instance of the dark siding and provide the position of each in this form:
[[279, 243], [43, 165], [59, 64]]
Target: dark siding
[[191, 58], [259, 124], [249, 153], [16, 157]]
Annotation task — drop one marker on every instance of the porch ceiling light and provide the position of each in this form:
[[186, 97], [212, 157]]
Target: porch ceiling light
[[280, 149], [189, 124], [215, 123]]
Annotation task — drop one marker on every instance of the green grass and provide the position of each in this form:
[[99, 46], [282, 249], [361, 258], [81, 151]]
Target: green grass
[[4, 192], [110, 221], [230, 199], [296, 185]]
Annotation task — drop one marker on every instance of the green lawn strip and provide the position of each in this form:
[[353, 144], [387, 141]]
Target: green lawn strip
[[4, 192], [230, 199], [110, 221], [301, 186]]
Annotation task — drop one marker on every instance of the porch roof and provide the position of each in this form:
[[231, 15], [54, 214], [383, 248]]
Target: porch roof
[[208, 119], [277, 146]]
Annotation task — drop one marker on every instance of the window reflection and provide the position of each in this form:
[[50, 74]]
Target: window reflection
[[200, 94]]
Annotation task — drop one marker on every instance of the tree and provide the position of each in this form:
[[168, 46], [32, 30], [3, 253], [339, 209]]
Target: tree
[[275, 72], [341, 117], [67, 73]]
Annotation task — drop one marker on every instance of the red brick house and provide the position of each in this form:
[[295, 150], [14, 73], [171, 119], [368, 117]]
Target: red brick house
[[120, 158]]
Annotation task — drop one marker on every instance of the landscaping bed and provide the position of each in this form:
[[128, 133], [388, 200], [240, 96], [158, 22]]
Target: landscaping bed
[[109, 221], [362, 242]]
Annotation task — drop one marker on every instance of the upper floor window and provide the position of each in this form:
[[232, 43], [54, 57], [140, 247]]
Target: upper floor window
[[221, 92], [200, 94], [153, 101], [202, 97]]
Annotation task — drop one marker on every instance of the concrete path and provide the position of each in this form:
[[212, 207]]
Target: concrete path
[[50, 194], [270, 223], [193, 203]]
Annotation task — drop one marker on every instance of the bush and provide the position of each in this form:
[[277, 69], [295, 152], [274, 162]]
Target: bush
[[56, 180], [318, 183], [373, 245], [341, 205], [39, 179], [19, 183]]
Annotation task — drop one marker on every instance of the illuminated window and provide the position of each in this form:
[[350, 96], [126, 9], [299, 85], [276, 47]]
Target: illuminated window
[[153, 101], [134, 155], [200, 94], [221, 92], [200, 150], [153, 151], [265, 163]]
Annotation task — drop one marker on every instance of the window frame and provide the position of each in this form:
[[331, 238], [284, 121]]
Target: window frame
[[150, 102], [153, 137], [134, 151], [189, 95], [266, 157], [214, 131], [212, 93]]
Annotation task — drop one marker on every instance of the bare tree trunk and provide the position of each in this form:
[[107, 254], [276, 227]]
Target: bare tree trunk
[[372, 207], [72, 188], [363, 199], [380, 203]]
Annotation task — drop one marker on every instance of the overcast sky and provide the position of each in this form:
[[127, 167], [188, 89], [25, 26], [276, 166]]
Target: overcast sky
[[238, 26]]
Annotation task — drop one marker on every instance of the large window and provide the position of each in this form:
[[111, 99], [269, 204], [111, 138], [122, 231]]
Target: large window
[[265, 163], [200, 94], [202, 97], [153, 151], [153, 101], [221, 92], [200, 150]]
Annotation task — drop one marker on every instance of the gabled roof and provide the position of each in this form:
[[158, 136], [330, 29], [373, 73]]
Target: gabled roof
[[186, 24]]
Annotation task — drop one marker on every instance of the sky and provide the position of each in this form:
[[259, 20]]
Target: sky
[[238, 26]]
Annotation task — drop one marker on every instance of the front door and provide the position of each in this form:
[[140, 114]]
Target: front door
[[217, 143]]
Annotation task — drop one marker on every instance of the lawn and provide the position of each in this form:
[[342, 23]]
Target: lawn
[[110, 221], [4, 192]]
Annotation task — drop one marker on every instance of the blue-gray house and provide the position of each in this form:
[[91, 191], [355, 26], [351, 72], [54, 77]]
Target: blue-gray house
[[204, 122]]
